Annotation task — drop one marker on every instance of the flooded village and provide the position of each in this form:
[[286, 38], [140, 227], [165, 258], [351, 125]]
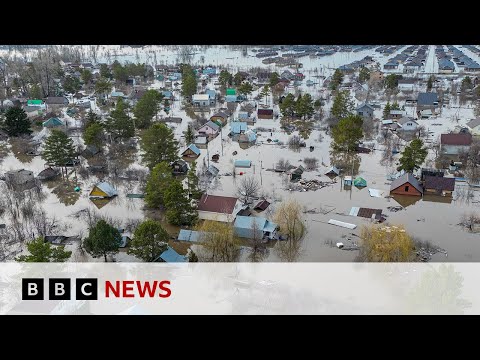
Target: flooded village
[[240, 153]]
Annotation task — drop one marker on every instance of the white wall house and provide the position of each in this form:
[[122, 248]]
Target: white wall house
[[218, 208]]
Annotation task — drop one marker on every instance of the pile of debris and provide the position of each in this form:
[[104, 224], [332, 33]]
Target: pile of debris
[[308, 185], [395, 208], [425, 253]]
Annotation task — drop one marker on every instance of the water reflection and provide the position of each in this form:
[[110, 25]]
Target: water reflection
[[406, 200]]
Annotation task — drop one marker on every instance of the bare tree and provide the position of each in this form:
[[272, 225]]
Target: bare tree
[[295, 141], [289, 218], [470, 220], [283, 165], [311, 163], [248, 188], [218, 242], [257, 245]]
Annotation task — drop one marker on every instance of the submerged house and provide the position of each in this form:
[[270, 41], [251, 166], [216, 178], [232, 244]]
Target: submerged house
[[190, 235], [333, 171], [248, 137], [250, 227], [202, 100], [191, 151], [439, 185], [296, 174], [406, 184], [220, 118], [218, 208], [19, 177], [103, 190], [474, 126], [238, 127], [427, 102]]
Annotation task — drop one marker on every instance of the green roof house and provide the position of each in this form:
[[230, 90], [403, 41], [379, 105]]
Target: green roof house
[[231, 92], [34, 102], [53, 122]]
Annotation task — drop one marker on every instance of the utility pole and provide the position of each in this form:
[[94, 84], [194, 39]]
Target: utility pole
[[261, 180]]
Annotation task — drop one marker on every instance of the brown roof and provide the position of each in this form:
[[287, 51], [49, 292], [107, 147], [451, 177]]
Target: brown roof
[[265, 111], [456, 139], [439, 183], [367, 213], [218, 204], [262, 205]]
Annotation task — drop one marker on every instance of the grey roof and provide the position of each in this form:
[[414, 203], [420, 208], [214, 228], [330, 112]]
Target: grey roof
[[427, 98], [407, 177], [473, 123], [406, 119], [56, 100], [212, 125], [361, 106]]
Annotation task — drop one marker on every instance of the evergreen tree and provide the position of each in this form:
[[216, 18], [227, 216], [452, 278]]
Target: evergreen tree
[[105, 72], [265, 91], [192, 182], [42, 251], [245, 88], [347, 133], [146, 108], [179, 208], [237, 79], [119, 124], [304, 106], [93, 135], [71, 84], [86, 76], [225, 78], [103, 86], [36, 92], [386, 111], [159, 179], [274, 79], [413, 156], [92, 118], [337, 79], [159, 144], [16, 122], [189, 135], [149, 241], [342, 105], [58, 149], [189, 81], [103, 239], [287, 106]]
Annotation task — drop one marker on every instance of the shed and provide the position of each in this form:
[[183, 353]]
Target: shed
[[249, 137], [360, 182], [231, 98], [212, 170], [103, 190], [243, 163], [179, 167], [190, 235], [347, 180], [231, 91], [333, 171], [262, 205]]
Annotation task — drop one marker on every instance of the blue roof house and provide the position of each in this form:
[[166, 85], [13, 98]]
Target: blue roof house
[[250, 227], [231, 98], [209, 71], [191, 151], [237, 127], [170, 256]]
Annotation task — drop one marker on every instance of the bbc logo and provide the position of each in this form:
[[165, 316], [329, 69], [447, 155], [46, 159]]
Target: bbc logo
[[59, 289]]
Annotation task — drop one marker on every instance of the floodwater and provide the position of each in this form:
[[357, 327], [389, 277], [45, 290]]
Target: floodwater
[[433, 221]]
